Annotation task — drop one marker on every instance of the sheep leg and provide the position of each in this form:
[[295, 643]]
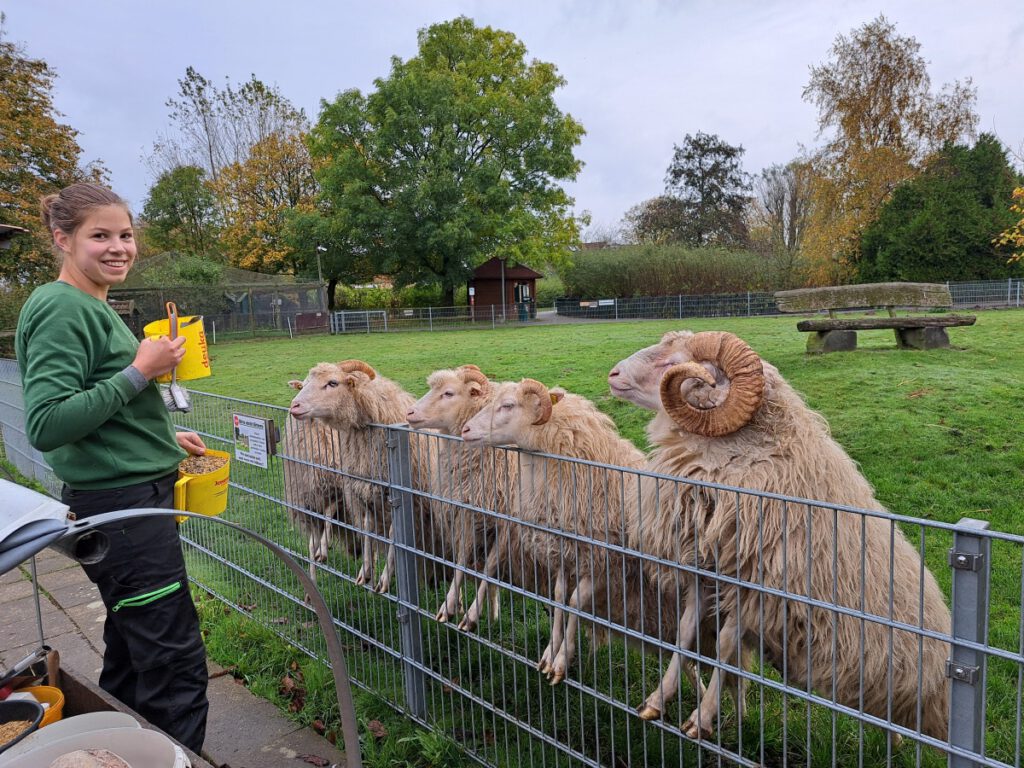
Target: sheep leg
[[472, 618], [700, 723], [495, 600], [365, 575], [686, 635], [582, 595], [557, 622], [384, 583], [453, 600]]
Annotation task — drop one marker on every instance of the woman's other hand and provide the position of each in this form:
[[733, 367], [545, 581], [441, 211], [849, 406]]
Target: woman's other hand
[[157, 356], [191, 443]]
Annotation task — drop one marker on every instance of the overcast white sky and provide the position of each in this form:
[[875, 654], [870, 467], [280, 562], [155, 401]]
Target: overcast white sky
[[639, 75]]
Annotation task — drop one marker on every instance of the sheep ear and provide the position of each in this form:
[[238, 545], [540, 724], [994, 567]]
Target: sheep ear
[[556, 397], [295, 384]]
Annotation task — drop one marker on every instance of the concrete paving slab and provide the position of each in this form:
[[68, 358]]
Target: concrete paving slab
[[16, 590], [19, 624], [63, 577], [50, 561], [73, 594], [12, 576], [89, 619]]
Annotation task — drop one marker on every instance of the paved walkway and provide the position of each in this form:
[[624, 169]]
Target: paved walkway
[[243, 730]]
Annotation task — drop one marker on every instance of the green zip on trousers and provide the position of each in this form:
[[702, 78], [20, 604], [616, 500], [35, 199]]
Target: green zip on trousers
[[148, 597]]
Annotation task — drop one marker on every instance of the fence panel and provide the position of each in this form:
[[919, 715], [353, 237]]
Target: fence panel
[[825, 642]]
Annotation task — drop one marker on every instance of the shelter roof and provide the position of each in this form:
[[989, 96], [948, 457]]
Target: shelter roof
[[491, 270]]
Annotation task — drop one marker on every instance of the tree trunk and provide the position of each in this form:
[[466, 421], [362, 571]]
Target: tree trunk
[[448, 298], [332, 284]]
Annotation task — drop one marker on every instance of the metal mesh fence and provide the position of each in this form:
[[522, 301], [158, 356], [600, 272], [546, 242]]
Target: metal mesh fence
[[825, 637], [966, 295]]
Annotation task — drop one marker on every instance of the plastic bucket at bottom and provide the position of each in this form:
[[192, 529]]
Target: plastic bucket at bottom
[[47, 694]]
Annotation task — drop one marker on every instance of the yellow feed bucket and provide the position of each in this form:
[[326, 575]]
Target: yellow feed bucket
[[196, 363], [204, 493]]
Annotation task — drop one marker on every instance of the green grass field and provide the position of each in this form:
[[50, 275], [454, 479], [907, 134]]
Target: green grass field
[[938, 433]]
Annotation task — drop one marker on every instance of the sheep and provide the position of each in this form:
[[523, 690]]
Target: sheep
[[309, 451], [726, 417], [481, 478], [578, 498], [348, 397]]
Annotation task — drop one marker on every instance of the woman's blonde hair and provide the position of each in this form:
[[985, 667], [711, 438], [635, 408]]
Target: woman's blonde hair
[[67, 209]]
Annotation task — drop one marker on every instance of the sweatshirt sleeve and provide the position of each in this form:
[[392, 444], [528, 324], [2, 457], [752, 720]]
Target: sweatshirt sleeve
[[60, 352]]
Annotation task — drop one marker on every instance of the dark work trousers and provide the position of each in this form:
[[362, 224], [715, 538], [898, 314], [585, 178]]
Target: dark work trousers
[[154, 660]]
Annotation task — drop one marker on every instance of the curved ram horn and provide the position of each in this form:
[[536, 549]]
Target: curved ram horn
[[472, 373], [534, 387], [348, 366], [741, 366]]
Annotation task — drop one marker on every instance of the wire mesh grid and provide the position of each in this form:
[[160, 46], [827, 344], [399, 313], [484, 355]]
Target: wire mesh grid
[[827, 643], [833, 624]]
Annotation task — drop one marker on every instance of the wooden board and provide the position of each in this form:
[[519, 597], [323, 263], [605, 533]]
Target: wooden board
[[876, 323], [867, 295]]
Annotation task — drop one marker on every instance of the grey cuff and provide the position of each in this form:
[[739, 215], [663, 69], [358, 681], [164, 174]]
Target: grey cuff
[[135, 376]]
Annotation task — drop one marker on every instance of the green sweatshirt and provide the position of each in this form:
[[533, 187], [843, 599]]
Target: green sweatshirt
[[95, 429]]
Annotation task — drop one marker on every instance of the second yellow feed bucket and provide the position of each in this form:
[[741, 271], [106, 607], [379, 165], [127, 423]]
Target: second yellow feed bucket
[[196, 363], [205, 493]]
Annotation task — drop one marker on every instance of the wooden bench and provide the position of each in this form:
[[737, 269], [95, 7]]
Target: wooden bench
[[835, 334]]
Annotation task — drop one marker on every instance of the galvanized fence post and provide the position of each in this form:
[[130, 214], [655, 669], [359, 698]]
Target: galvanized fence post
[[970, 560], [401, 501]]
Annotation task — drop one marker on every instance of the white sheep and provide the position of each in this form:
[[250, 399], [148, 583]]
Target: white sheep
[[728, 418], [313, 482], [583, 500], [349, 397], [480, 478]]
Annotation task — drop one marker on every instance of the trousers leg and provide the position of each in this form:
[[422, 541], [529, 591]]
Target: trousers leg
[[154, 660]]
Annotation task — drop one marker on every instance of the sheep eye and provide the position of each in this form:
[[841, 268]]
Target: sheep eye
[[449, 394], [507, 406], [332, 383]]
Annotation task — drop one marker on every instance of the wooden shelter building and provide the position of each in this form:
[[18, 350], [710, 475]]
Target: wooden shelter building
[[520, 284]]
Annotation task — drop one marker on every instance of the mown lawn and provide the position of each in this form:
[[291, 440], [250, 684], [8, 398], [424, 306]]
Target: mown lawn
[[938, 433]]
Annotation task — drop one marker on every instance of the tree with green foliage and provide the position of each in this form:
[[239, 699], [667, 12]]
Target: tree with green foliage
[[180, 213], [453, 159], [706, 176], [940, 225], [38, 155], [658, 221]]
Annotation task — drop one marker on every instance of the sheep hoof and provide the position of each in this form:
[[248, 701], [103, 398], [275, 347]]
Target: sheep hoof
[[361, 579], [692, 729], [648, 712], [382, 587], [556, 677], [467, 624], [543, 666], [441, 617]]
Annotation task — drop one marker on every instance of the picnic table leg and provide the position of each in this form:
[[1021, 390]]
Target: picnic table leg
[[921, 338], [820, 342]]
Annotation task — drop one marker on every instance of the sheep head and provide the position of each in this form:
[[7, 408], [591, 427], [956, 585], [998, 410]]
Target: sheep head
[[709, 383], [325, 393], [515, 411], [454, 396]]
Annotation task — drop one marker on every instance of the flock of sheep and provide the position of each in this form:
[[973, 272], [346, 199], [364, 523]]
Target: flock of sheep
[[840, 603]]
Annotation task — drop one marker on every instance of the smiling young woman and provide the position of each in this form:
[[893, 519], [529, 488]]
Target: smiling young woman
[[92, 407]]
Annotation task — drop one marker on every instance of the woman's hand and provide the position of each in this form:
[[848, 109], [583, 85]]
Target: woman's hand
[[191, 443], [157, 356]]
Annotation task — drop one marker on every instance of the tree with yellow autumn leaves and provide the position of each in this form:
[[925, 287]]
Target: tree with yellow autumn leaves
[[874, 97], [38, 155]]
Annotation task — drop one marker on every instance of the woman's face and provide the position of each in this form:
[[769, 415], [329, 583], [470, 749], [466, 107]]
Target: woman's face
[[100, 252]]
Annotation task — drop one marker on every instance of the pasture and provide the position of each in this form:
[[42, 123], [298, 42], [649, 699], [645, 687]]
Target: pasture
[[938, 434]]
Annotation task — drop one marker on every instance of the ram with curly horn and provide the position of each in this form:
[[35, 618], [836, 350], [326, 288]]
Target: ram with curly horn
[[484, 479], [586, 502], [726, 417], [349, 397]]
